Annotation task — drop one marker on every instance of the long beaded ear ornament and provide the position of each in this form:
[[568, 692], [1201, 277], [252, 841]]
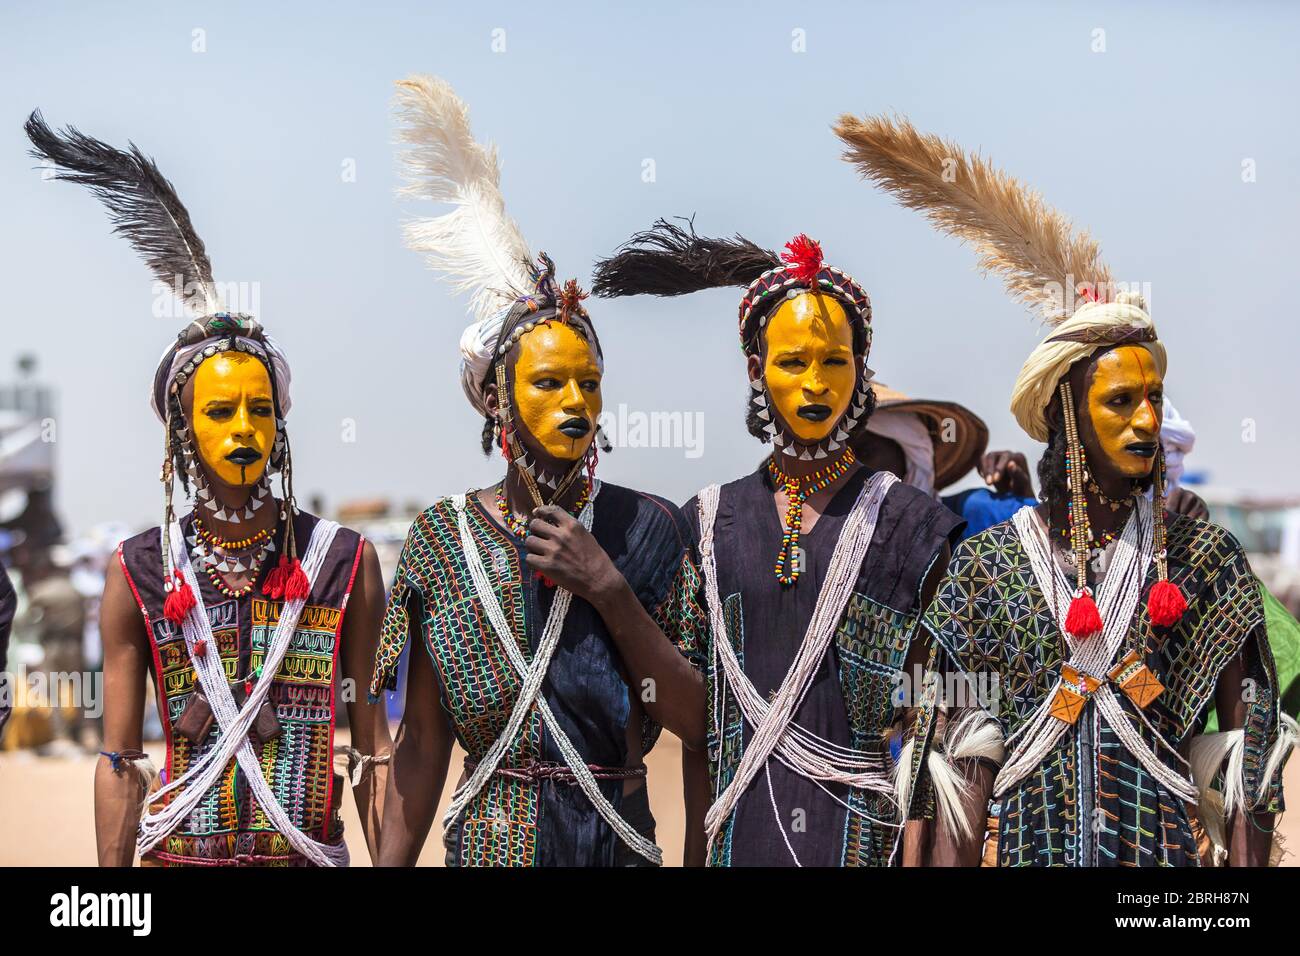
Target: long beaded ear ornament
[[1083, 619], [1165, 607], [179, 598]]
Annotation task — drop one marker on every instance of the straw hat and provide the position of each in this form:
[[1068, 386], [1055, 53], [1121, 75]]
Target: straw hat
[[959, 435]]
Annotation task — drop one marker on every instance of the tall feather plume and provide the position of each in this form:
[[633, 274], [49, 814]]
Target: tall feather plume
[[669, 260], [477, 246], [1016, 235], [141, 202]]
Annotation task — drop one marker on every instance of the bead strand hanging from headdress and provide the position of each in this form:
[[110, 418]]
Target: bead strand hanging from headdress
[[1083, 618], [1165, 603], [287, 580], [179, 597]]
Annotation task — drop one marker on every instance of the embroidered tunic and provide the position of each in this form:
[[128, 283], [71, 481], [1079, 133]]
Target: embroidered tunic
[[518, 822], [851, 701], [1091, 803], [228, 827]]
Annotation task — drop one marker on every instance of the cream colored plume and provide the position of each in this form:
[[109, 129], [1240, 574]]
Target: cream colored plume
[[476, 246], [1017, 236]]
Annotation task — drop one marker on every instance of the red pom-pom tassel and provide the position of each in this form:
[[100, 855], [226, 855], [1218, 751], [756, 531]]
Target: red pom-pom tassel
[[180, 601], [1083, 618], [273, 586], [296, 585], [803, 258], [1165, 603]]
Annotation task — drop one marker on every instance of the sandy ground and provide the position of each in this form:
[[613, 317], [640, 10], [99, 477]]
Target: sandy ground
[[47, 812], [47, 819]]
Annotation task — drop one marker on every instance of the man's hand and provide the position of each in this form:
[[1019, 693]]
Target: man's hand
[[1007, 471], [560, 548], [1188, 503]]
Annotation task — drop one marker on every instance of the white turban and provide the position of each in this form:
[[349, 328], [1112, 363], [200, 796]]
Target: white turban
[[909, 431], [1049, 362], [477, 348], [267, 348], [1177, 438]]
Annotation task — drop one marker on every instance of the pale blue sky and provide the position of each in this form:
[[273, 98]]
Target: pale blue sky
[[1142, 143]]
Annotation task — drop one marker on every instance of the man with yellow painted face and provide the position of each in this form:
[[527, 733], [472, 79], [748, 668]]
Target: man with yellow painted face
[[1097, 630], [816, 568], [254, 619], [554, 615]]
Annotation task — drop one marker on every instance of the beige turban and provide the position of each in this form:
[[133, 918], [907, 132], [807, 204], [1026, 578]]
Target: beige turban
[[1093, 326]]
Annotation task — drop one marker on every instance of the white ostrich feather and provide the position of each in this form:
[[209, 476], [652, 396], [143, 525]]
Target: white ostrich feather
[[476, 246]]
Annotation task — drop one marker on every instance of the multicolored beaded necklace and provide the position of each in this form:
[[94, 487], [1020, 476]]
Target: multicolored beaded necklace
[[519, 526], [797, 491], [208, 545]]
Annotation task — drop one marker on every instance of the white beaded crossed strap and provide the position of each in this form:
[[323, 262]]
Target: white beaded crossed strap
[[1117, 601], [530, 692], [776, 734], [233, 721]]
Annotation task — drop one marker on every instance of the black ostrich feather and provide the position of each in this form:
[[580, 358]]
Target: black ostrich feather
[[667, 259], [141, 203]]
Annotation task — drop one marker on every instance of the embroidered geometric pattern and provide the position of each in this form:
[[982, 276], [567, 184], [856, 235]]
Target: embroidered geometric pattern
[[991, 618], [432, 597]]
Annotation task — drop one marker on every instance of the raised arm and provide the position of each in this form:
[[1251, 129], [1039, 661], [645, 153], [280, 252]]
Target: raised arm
[[671, 690], [368, 723], [119, 794]]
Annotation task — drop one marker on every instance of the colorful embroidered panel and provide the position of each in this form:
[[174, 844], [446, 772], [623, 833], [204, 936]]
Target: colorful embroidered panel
[[228, 827]]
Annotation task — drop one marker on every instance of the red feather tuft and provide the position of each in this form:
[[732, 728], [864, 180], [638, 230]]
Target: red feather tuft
[[1083, 617], [1165, 603], [803, 258], [180, 601], [296, 585]]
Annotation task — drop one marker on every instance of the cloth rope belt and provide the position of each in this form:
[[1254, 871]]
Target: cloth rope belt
[[530, 695], [537, 770], [235, 722], [776, 734], [1094, 655]]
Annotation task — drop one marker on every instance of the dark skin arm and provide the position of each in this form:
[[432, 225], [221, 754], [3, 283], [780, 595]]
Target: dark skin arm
[[924, 843], [670, 689], [1249, 834], [699, 795], [368, 723], [418, 770], [118, 796]]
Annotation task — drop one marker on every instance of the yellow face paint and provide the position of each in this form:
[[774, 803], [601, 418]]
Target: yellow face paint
[[232, 417], [809, 368], [557, 390], [1125, 408]]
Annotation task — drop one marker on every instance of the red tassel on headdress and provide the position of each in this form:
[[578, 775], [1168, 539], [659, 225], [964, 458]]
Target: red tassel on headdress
[[1165, 603], [273, 586], [803, 258], [180, 601], [1083, 618], [296, 585]]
